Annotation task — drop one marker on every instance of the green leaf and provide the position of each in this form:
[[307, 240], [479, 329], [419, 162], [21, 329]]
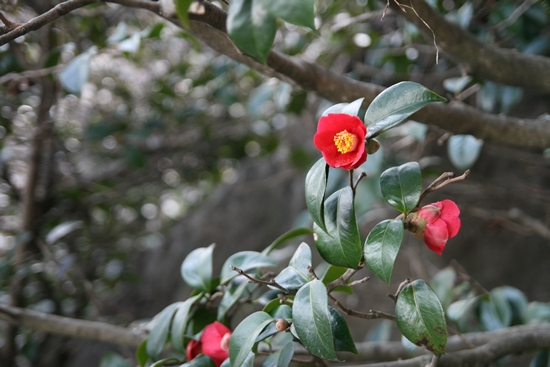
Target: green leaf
[[159, 334], [182, 6], [420, 317], [395, 104], [347, 108], [341, 244], [443, 283], [244, 260], [541, 359], [343, 342], [179, 322], [296, 12], [164, 361], [281, 358], [244, 337], [196, 269], [316, 185], [251, 27], [495, 313], [75, 74], [141, 354], [382, 246], [537, 312], [464, 150], [296, 274], [232, 294], [311, 320], [111, 359], [401, 186], [293, 233], [200, 361]]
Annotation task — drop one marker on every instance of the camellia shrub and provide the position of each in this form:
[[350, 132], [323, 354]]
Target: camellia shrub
[[297, 305]]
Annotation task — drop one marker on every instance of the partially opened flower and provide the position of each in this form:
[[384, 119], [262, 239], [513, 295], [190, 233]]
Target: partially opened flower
[[341, 139], [436, 223], [214, 343]]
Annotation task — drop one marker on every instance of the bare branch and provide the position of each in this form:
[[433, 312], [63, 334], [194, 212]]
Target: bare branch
[[90, 330], [64, 8], [479, 59], [442, 181], [371, 315]]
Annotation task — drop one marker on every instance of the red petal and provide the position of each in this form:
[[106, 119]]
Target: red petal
[[436, 236], [430, 212], [193, 349], [211, 339], [449, 214]]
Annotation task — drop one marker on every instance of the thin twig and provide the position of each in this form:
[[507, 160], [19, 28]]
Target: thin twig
[[270, 282], [371, 315], [399, 289], [344, 278], [442, 181], [467, 277]]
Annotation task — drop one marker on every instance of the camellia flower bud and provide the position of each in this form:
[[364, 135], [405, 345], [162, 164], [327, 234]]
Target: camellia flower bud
[[214, 342], [282, 325], [341, 139], [372, 146], [435, 224]]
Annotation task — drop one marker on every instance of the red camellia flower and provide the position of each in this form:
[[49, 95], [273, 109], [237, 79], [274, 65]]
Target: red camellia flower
[[436, 223], [214, 342], [341, 139]]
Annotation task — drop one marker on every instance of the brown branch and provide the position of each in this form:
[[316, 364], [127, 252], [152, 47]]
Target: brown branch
[[83, 329], [442, 181], [371, 315], [64, 8], [479, 59], [455, 117], [270, 282]]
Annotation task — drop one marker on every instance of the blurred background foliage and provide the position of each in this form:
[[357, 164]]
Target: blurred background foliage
[[143, 122]]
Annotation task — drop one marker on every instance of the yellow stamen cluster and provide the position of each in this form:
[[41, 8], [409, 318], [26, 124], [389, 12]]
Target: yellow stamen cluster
[[345, 142]]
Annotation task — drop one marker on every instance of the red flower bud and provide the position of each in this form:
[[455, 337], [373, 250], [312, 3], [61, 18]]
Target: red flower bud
[[435, 224], [341, 139], [214, 343], [194, 348]]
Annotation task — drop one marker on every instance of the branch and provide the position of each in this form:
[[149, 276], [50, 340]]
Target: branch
[[455, 117], [64, 8], [90, 330], [479, 59]]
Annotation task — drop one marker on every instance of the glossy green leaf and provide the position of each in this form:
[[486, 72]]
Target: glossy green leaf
[[291, 11], [401, 186], [311, 320], [296, 274], [495, 313], [179, 322], [381, 247], [459, 310], [395, 104], [244, 260], [343, 341], [141, 354], [182, 6], [347, 108], [232, 294], [341, 244], [159, 334], [166, 361], [281, 358], [420, 317], [537, 312], [244, 337], [517, 301], [316, 185], [251, 27], [464, 150], [293, 233], [196, 269], [200, 361], [443, 283]]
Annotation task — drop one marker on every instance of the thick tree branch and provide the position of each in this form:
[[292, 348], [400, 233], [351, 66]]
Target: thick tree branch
[[504, 66], [54, 324], [455, 117]]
